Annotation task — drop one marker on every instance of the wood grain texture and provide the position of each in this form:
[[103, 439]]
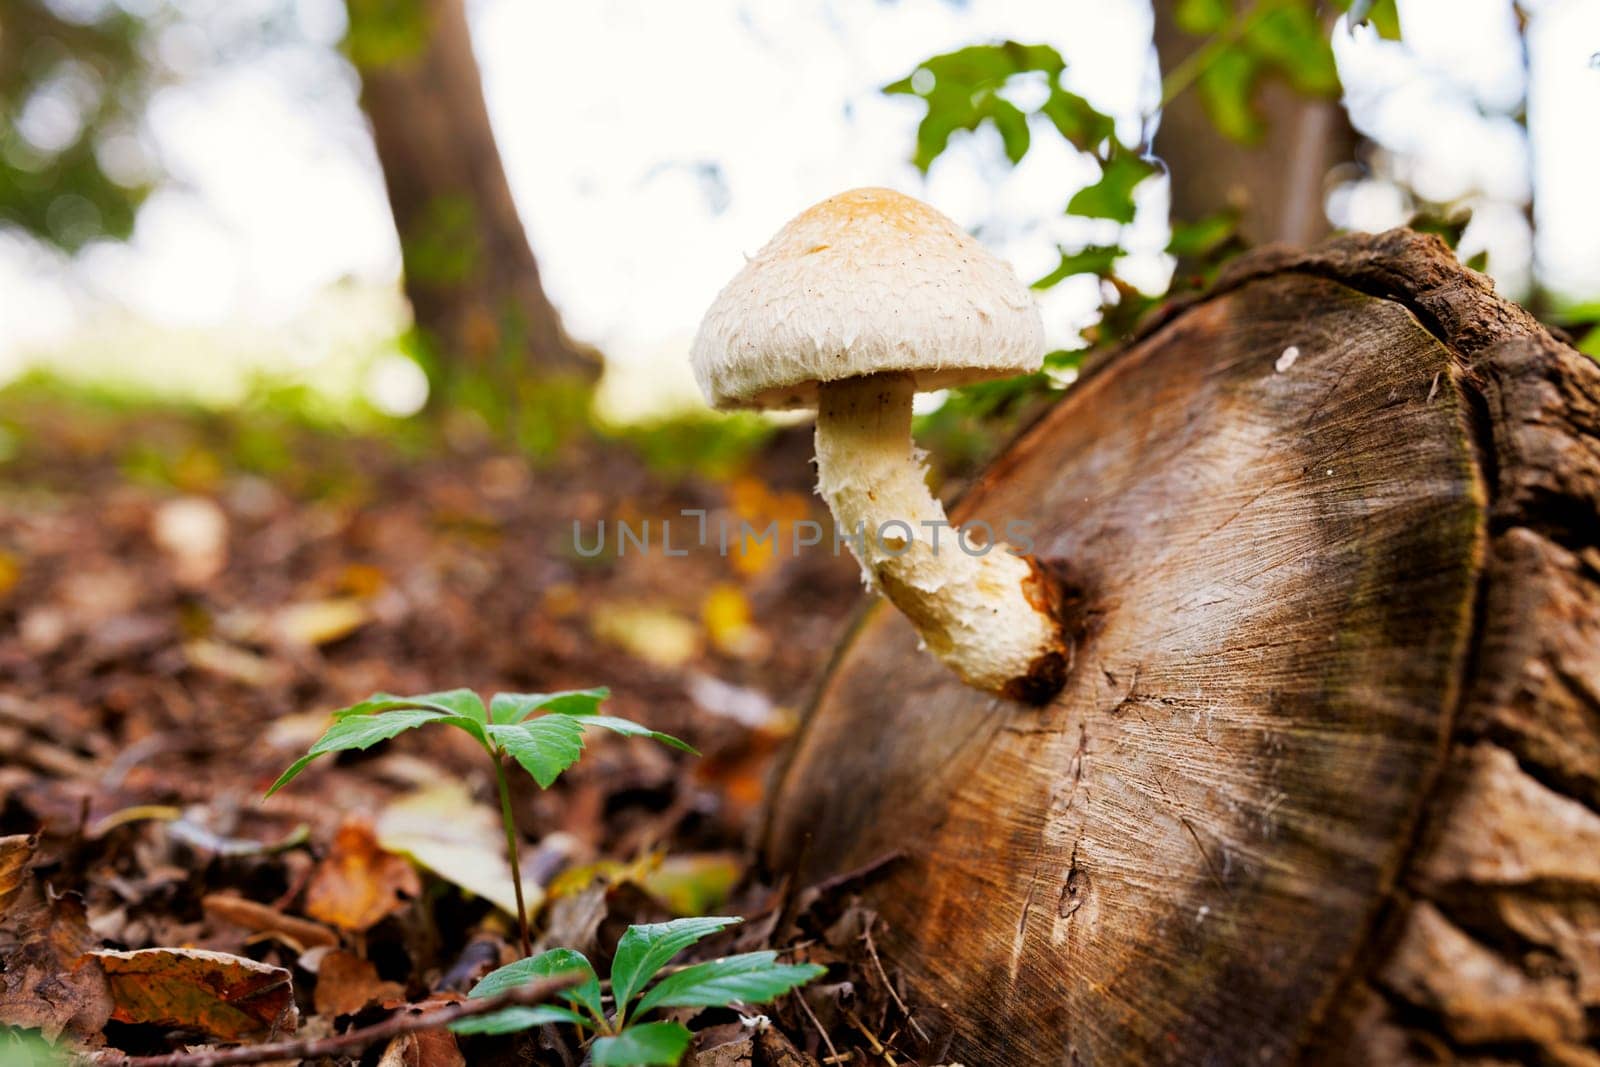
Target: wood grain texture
[[1339, 620]]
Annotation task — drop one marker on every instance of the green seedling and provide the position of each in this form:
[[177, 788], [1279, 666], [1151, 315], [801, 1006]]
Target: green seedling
[[542, 732], [621, 1040]]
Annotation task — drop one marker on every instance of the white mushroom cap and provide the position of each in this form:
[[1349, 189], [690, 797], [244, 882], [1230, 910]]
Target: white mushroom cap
[[865, 282]]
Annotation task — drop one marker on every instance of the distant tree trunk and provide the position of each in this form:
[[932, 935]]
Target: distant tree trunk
[[1276, 184], [470, 275]]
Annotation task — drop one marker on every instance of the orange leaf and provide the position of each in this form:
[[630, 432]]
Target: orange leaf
[[16, 852], [347, 983], [425, 1048], [262, 918], [229, 997], [359, 885]]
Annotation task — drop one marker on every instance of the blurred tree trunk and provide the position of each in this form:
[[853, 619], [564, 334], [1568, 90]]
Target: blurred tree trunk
[[1277, 184], [471, 277]]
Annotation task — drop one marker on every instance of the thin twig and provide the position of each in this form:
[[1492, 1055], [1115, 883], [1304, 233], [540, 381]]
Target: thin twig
[[314, 1048], [872, 949], [833, 1053]]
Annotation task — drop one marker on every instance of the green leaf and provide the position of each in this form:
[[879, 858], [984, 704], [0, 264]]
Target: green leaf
[[464, 708], [462, 702], [644, 950], [511, 1020], [750, 978], [1076, 119], [1478, 261], [1198, 240], [359, 732], [1226, 91], [962, 91], [1590, 344], [1013, 127], [650, 1045], [28, 1048], [377, 704], [1290, 37], [544, 747], [628, 728], [548, 965], [1112, 196], [514, 707], [1201, 17], [1092, 259]]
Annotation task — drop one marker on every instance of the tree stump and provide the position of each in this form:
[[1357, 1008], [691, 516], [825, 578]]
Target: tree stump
[[1324, 782]]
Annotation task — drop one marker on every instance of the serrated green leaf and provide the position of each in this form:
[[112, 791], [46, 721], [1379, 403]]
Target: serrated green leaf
[[1112, 196], [376, 704], [750, 978], [514, 707], [650, 1045], [644, 950], [464, 708], [458, 702], [1226, 91], [511, 1020], [1093, 259], [628, 728], [547, 965], [544, 747], [359, 732]]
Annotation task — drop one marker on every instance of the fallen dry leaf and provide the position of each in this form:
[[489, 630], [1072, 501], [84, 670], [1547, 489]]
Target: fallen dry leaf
[[358, 884], [727, 1045], [725, 613], [45, 984], [229, 997], [694, 884], [425, 1048], [16, 852], [653, 634], [346, 983], [261, 918], [441, 828], [319, 622]]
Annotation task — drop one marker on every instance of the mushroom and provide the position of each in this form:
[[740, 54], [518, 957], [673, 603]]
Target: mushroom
[[857, 304]]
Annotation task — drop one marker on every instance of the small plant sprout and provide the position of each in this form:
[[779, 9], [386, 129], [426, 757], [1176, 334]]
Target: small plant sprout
[[857, 304], [542, 732], [638, 988]]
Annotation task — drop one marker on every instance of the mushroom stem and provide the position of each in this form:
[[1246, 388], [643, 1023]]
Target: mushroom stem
[[980, 608]]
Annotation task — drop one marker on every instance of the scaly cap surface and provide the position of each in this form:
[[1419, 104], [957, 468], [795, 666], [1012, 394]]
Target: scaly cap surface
[[867, 281]]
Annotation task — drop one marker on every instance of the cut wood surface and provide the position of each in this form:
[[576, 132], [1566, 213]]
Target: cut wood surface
[[1323, 783]]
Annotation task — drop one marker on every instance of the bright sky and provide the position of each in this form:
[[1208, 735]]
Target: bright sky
[[651, 146]]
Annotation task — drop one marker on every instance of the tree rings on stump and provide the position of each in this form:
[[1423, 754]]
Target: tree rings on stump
[[1322, 783]]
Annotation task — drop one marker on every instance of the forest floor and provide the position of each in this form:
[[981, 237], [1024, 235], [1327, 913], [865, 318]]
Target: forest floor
[[185, 598]]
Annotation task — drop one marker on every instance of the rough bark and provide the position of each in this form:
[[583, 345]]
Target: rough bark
[[1321, 786], [470, 275], [1277, 185]]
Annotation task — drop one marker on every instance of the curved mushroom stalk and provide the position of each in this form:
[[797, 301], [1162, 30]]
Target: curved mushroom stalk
[[985, 614]]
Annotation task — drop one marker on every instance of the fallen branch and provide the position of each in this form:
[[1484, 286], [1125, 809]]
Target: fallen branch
[[313, 1048]]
